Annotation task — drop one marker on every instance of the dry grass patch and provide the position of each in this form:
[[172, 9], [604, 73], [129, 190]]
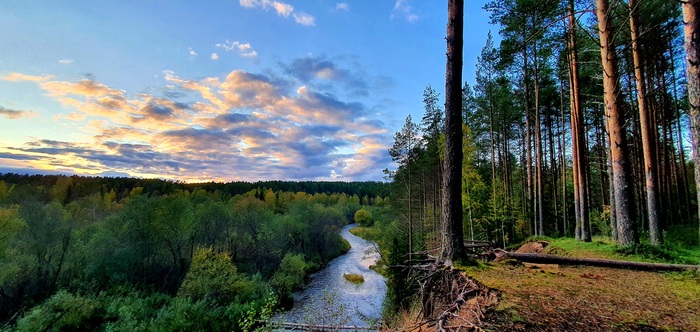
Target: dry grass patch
[[557, 298], [354, 278]]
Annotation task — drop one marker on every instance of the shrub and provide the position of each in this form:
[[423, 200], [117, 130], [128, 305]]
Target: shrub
[[364, 218], [290, 275], [211, 276]]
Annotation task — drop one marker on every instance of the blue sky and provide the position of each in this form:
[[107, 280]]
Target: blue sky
[[218, 90]]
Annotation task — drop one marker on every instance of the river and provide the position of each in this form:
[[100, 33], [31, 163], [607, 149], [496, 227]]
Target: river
[[329, 299]]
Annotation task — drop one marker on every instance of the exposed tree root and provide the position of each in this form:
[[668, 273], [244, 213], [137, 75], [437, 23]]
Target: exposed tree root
[[450, 301]]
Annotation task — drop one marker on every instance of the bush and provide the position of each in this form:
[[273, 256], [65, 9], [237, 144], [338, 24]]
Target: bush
[[63, 312], [364, 218], [211, 276], [290, 275]]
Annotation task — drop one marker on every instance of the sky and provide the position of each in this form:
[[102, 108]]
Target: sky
[[239, 90]]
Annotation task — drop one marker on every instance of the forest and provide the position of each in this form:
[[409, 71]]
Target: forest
[[117, 254], [538, 125], [580, 130]]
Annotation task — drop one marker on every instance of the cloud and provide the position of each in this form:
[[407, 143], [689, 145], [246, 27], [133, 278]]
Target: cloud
[[304, 19], [15, 114], [281, 8], [403, 10], [311, 70], [214, 56], [191, 51], [243, 49], [66, 61], [244, 126], [342, 6], [17, 77]]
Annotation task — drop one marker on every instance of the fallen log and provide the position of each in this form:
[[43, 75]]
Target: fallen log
[[312, 327], [552, 259]]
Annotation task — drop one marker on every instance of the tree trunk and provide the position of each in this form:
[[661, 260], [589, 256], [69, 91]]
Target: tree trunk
[[681, 150], [650, 172], [692, 58], [580, 167], [453, 237], [621, 181], [538, 148], [528, 150]]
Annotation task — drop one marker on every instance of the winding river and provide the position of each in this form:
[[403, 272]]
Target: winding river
[[329, 299]]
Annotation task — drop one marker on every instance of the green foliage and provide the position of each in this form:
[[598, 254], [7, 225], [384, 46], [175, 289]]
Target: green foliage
[[10, 225], [363, 218], [156, 257], [290, 275], [63, 312], [600, 221], [212, 276]]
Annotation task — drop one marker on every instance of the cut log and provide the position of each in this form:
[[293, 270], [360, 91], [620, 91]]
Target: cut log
[[551, 259]]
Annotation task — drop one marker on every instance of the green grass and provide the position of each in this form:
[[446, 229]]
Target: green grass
[[605, 248], [354, 278]]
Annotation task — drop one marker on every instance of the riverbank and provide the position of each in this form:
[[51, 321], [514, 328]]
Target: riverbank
[[330, 299]]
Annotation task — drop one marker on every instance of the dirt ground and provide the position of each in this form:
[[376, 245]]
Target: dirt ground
[[564, 298]]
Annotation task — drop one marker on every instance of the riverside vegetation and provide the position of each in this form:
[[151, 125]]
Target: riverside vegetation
[[122, 254]]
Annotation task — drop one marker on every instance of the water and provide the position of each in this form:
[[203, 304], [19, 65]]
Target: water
[[329, 299]]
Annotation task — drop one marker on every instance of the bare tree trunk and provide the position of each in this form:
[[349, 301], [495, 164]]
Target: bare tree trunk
[[562, 158], [650, 172], [528, 150], [453, 237], [621, 181], [538, 148], [692, 58], [611, 188], [583, 226], [684, 178]]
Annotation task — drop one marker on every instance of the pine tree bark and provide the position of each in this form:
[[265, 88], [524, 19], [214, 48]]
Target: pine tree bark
[[621, 181], [452, 235], [692, 59], [650, 172], [583, 226], [538, 147]]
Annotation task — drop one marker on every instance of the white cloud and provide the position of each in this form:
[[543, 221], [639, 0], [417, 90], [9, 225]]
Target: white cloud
[[304, 19], [192, 52], [214, 56], [281, 8], [250, 54], [342, 6], [403, 10], [243, 49], [66, 61]]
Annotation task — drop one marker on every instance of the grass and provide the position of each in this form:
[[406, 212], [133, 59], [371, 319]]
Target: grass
[[605, 248], [354, 278], [553, 298]]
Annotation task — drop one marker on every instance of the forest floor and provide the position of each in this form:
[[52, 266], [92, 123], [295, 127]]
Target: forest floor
[[545, 297]]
